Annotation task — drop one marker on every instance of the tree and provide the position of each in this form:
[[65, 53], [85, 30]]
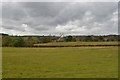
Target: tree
[[6, 41], [30, 41], [19, 42], [45, 40], [69, 38]]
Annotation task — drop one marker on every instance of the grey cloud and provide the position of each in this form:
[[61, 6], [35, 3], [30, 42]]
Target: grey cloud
[[12, 12], [46, 16], [8, 27]]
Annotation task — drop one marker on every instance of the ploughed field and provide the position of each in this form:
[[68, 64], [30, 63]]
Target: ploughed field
[[76, 62]]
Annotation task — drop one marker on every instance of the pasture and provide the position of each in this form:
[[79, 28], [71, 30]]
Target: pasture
[[80, 62], [74, 44]]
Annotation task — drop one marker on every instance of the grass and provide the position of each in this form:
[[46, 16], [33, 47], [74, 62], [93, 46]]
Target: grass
[[75, 43], [0, 62], [60, 62]]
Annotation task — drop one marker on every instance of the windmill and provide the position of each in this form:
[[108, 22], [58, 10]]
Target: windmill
[[60, 38]]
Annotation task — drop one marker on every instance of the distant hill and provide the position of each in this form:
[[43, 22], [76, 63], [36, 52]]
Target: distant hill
[[3, 34]]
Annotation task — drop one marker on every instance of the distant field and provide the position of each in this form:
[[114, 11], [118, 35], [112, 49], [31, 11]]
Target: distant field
[[73, 44], [60, 62]]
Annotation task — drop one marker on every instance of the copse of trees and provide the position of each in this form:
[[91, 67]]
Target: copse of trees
[[13, 41], [18, 42], [8, 41], [29, 41]]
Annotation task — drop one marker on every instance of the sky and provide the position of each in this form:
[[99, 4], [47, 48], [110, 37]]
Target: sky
[[69, 18]]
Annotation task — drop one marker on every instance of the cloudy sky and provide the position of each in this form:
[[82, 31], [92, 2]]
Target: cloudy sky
[[75, 18]]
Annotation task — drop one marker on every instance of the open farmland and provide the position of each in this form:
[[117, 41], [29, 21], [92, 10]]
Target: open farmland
[[76, 44], [89, 62], [59, 39]]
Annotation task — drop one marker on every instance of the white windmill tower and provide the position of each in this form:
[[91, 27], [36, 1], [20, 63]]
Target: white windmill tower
[[60, 39]]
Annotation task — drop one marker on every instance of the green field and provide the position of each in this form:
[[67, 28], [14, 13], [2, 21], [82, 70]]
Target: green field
[[60, 62], [75, 43]]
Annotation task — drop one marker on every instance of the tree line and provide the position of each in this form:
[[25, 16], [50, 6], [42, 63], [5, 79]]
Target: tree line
[[29, 41]]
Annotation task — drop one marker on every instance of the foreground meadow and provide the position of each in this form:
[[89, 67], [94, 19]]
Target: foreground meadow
[[60, 62]]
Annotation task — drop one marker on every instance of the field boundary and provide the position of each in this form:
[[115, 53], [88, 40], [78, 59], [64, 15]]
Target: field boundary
[[65, 46], [77, 46]]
